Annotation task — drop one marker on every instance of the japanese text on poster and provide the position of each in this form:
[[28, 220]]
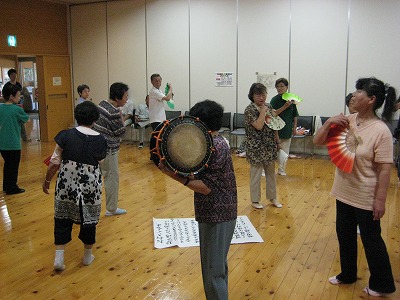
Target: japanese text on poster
[[183, 232]]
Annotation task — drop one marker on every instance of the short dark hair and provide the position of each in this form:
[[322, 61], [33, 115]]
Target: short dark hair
[[86, 113], [154, 76], [282, 80], [256, 88], [348, 98], [11, 71], [117, 90], [209, 112], [81, 88], [10, 90]]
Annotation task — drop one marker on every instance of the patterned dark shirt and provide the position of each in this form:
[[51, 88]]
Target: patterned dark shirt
[[110, 125], [260, 144], [79, 182], [220, 205]]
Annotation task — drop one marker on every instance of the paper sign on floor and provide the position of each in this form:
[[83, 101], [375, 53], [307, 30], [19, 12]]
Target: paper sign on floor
[[183, 232]]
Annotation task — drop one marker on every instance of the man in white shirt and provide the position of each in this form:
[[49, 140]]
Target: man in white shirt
[[156, 101]]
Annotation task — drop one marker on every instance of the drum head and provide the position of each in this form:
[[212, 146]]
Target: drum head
[[185, 144]]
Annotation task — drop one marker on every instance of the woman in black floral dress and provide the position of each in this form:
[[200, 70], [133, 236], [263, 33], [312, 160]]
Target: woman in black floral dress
[[262, 144], [78, 189]]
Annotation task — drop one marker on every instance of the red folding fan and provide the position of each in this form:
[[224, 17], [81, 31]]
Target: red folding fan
[[342, 144], [47, 160]]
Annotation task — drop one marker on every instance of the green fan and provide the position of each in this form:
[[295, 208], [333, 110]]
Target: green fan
[[170, 103], [292, 97]]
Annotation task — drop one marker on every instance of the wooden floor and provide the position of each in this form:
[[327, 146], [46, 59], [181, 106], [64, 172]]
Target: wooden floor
[[299, 253]]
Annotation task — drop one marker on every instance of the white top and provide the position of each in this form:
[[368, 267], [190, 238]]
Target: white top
[[127, 109], [156, 106], [375, 146], [142, 112]]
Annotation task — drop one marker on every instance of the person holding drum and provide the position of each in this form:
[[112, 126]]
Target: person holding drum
[[215, 202], [262, 145]]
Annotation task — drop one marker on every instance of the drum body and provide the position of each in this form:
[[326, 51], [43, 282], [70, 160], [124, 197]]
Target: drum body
[[184, 144]]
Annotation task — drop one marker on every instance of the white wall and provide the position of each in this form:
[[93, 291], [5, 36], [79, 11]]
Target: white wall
[[168, 47], [212, 49], [318, 55], [374, 42], [89, 49], [126, 32], [263, 43], [322, 47]]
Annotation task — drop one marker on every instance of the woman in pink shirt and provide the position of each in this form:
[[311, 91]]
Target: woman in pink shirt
[[361, 194]]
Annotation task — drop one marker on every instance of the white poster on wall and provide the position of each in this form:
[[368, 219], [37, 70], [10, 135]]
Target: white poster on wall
[[223, 79], [183, 232], [57, 81], [266, 79]]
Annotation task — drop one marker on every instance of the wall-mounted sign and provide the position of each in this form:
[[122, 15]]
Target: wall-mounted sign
[[56, 81], [223, 79], [266, 79], [12, 40]]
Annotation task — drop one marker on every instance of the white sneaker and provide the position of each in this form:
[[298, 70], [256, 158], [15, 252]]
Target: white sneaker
[[263, 173], [118, 211], [257, 205], [282, 173], [140, 146], [276, 203]]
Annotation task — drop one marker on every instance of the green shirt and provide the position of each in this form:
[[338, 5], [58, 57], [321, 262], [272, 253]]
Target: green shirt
[[11, 118], [287, 115]]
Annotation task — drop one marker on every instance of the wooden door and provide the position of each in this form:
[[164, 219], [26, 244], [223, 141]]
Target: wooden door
[[55, 96]]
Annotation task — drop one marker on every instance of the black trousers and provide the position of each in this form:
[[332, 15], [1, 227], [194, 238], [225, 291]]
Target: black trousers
[[10, 171], [347, 218], [63, 229]]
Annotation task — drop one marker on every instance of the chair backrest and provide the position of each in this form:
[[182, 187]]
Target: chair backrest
[[172, 114], [307, 122], [323, 120], [226, 120], [393, 125], [238, 120]]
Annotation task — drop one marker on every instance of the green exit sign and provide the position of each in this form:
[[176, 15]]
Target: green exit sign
[[12, 40]]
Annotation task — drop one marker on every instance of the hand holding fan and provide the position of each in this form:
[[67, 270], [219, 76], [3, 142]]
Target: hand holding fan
[[342, 144], [274, 122], [292, 97], [170, 103], [47, 160]]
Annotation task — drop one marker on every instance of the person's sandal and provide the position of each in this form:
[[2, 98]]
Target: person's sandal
[[333, 280]]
